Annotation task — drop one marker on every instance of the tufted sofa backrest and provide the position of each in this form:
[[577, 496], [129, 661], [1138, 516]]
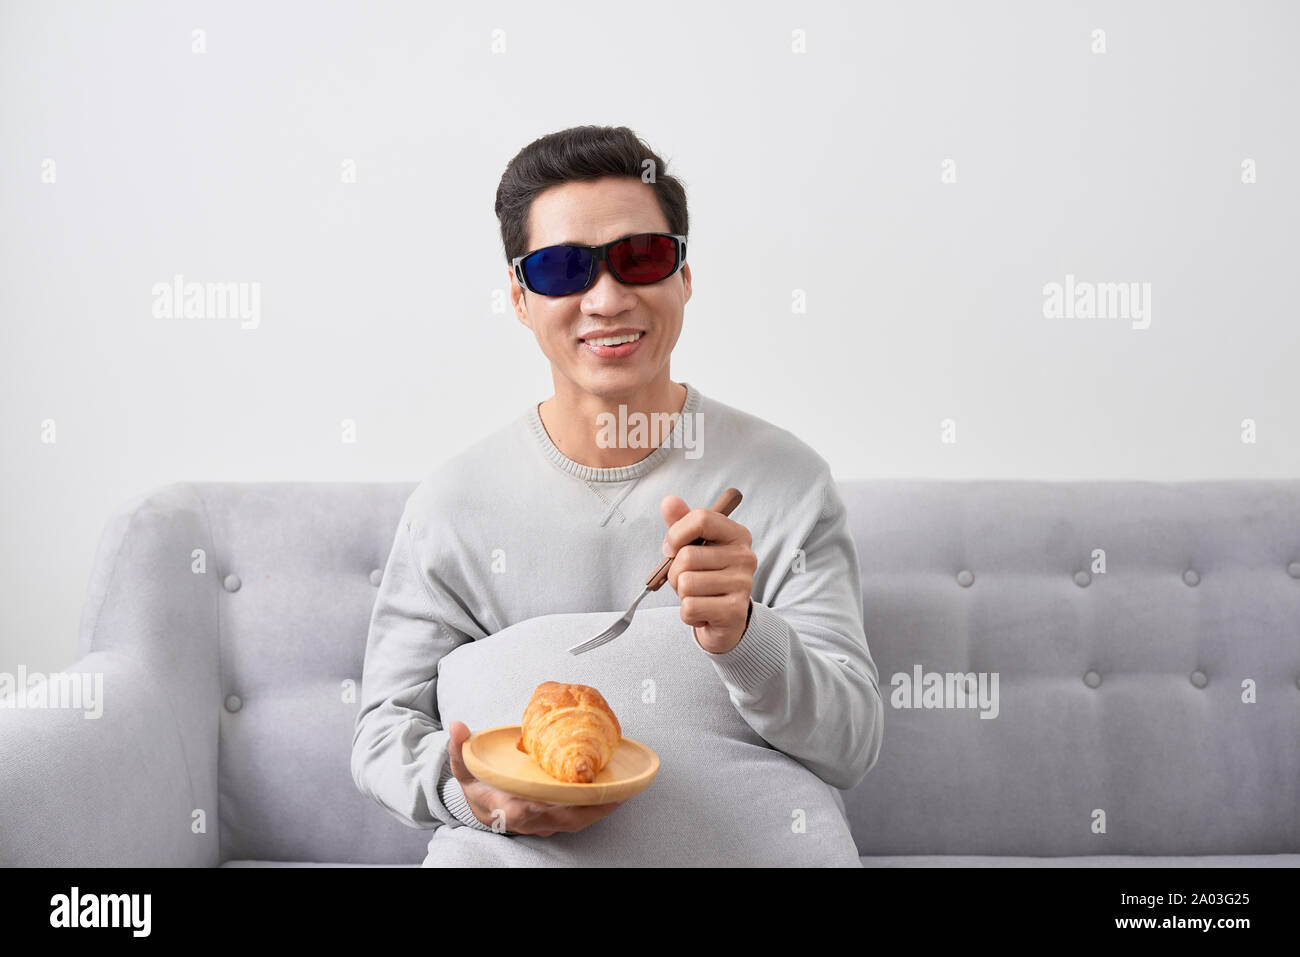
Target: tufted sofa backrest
[[1146, 641], [299, 566], [1144, 638]]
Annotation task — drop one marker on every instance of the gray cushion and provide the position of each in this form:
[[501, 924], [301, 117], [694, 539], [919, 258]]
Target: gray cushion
[[722, 796]]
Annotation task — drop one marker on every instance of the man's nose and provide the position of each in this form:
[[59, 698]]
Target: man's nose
[[604, 282]]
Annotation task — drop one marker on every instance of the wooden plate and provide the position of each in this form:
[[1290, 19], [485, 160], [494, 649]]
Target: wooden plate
[[491, 756]]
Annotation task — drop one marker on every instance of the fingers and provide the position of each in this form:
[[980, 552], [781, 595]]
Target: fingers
[[522, 816], [717, 584], [707, 610], [459, 734], [713, 570], [686, 526], [713, 557], [672, 508], [568, 818]]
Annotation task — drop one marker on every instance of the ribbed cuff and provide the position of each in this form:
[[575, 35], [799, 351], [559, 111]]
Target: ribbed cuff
[[453, 798], [762, 651]]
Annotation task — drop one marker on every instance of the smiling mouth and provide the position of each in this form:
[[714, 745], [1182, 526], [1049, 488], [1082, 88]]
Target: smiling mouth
[[613, 340]]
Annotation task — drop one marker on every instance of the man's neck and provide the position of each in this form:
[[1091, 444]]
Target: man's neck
[[571, 419]]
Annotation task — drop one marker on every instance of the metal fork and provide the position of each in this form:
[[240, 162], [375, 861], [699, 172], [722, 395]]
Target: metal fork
[[726, 505]]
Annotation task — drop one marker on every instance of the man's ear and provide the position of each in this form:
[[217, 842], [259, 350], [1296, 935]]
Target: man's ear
[[519, 299]]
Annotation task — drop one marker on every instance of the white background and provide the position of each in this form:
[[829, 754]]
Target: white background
[[817, 171]]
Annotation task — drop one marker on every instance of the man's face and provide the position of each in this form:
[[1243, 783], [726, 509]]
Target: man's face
[[592, 213]]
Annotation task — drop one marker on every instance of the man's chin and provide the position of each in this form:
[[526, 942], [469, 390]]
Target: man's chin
[[611, 383]]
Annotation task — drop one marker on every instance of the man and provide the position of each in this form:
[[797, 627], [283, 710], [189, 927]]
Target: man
[[596, 252]]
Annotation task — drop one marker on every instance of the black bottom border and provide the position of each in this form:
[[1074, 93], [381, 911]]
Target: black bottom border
[[331, 905]]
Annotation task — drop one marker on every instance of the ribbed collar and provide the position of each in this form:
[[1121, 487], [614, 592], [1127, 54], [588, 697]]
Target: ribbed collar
[[621, 474]]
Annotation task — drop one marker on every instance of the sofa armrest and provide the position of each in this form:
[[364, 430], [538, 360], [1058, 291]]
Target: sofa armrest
[[106, 791], [136, 786]]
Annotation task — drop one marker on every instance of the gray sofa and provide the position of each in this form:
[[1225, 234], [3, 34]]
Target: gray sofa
[[1147, 709]]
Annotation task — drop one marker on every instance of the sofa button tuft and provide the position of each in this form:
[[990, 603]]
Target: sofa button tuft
[[233, 703], [1191, 578], [1092, 679], [964, 578], [376, 577], [1199, 679], [1082, 578], [231, 583], [1293, 569]]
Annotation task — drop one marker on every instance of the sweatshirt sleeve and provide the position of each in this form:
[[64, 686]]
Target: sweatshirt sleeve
[[399, 747], [802, 676]]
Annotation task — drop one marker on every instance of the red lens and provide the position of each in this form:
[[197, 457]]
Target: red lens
[[643, 259]]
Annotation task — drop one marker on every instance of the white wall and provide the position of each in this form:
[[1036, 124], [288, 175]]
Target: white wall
[[816, 171]]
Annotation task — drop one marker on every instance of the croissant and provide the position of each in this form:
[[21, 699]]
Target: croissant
[[570, 731]]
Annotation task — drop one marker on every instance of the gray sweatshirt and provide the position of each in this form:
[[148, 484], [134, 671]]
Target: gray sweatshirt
[[579, 539]]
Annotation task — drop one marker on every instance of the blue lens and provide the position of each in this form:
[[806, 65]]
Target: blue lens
[[558, 270]]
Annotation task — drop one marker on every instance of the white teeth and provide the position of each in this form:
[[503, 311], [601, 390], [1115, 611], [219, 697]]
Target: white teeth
[[614, 340]]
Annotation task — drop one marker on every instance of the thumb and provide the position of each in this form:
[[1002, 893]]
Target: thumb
[[458, 733], [672, 508]]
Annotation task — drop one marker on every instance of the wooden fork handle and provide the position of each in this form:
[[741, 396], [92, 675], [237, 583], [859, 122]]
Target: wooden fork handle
[[726, 505]]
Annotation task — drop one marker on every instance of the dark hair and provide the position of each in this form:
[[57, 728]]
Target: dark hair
[[580, 153]]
